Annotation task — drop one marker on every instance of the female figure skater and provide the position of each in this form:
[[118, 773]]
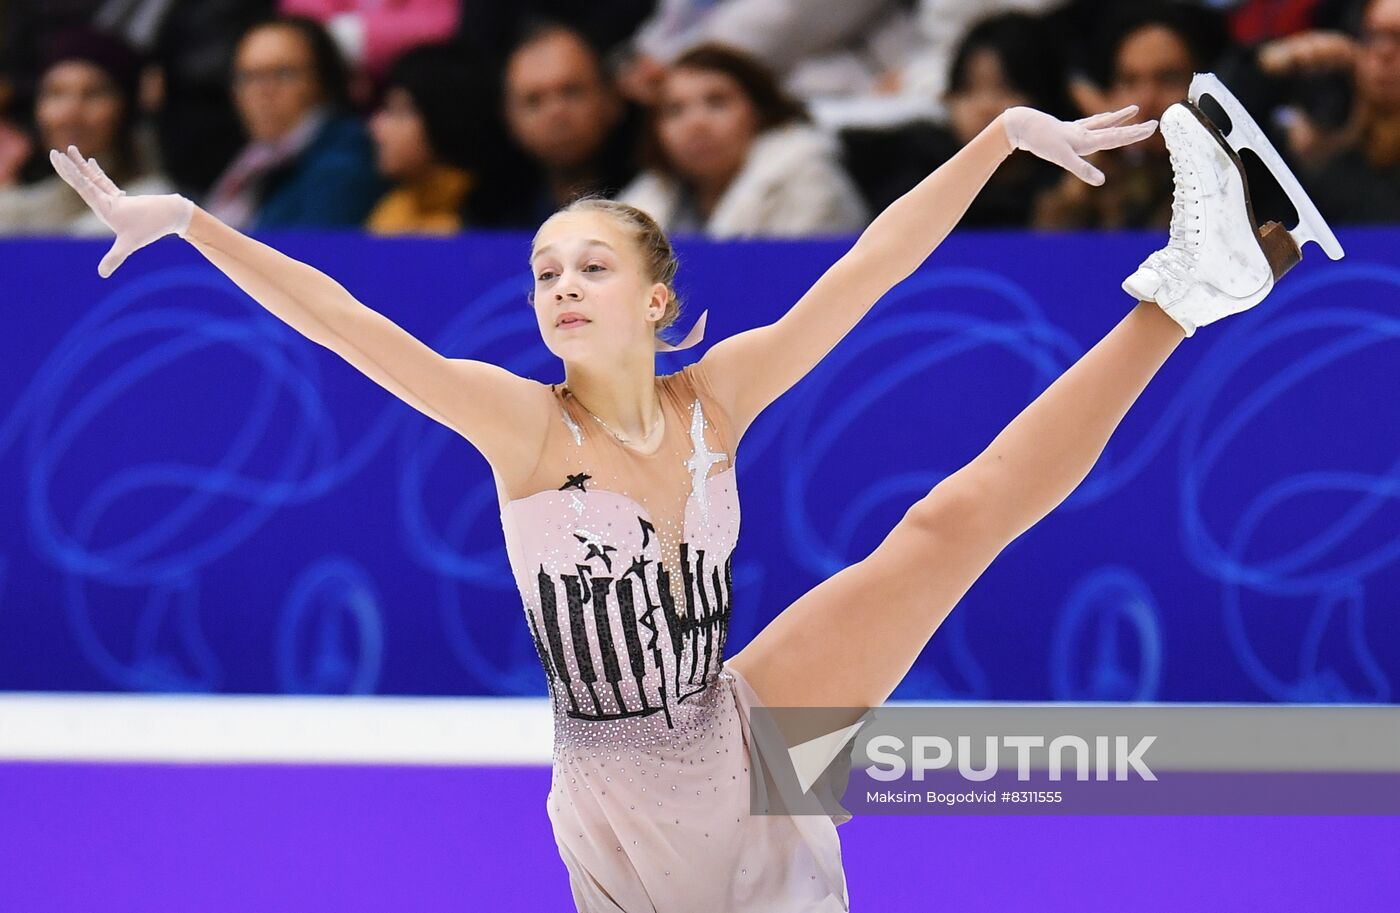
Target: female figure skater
[[619, 505]]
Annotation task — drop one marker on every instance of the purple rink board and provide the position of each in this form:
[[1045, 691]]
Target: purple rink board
[[148, 838]]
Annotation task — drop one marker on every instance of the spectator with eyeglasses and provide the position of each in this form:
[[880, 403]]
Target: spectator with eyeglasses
[[308, 161]]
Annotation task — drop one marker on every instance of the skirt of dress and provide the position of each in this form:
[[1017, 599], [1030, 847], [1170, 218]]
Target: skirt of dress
[[665, 827]]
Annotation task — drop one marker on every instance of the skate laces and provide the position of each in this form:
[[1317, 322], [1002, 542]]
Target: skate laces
[[1184, 234]]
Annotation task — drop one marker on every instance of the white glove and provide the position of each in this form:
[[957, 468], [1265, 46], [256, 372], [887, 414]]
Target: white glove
[[137, 220], [1063, 142]]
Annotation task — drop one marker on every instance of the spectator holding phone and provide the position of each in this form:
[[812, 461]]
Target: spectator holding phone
[[1355, 168]]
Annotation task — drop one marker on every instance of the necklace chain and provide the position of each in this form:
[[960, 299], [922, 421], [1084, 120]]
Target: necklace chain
[[655, 421]]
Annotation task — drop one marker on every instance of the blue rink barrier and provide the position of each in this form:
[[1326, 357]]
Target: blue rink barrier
[[200, 500]]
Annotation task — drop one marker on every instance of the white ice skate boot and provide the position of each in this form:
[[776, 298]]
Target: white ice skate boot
[[1217, 261], [1244, 133]]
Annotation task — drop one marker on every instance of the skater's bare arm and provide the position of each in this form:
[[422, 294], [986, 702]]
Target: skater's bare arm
[[484, 403], [502, 414], [751, 369]]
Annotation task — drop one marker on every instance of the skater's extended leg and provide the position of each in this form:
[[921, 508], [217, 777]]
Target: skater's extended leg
[[850, 640]]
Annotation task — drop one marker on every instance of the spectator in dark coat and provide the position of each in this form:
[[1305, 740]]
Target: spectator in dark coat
[[570, 131], [308, 163]]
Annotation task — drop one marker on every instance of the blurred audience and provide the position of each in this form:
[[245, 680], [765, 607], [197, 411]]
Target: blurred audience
[[308, 163], [194, 49], [15, 150], [1004, 61], [371, 33], [487, 27], [750, 117], [1152, 51], [27, 25], [573, 132], [424, 144], [734, 156], [1353, 172], [815, 49], [185, 86], [87, 97], [1253, 22], [942, 27]]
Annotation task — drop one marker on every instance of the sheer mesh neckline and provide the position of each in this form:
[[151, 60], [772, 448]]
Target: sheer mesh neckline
[[565, 395]]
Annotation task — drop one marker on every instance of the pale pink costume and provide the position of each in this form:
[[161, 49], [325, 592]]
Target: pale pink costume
[[623, 561]]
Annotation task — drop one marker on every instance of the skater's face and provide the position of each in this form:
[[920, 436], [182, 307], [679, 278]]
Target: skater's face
[[1378, 64], [400, 137], [706, 124], [588, 263], [78, 104], [1152, 70], [274, 82], [986, 94], [558, 106]]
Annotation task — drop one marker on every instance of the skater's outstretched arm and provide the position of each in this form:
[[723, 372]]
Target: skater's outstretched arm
[[483, 402], [751, 369], [494, 409]]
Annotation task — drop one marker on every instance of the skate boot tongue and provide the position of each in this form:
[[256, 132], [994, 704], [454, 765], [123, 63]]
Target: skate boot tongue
[[1143, 284], [1165, 274], [1146, 284]]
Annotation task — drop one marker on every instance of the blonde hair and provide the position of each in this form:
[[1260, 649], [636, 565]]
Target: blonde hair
[[658, 257]]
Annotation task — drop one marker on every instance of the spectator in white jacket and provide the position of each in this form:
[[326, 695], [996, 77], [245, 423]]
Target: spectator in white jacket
[[817, 48], [733, 156], [87, 97]]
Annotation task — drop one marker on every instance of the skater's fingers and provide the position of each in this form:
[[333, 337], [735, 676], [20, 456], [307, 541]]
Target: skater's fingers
[[77, 159], [65, 168], [94, 173], [1109, 118], [121, 249], [1066, 158], [76, 179], [95, 193], [99, 177], [1086, 172], [1113, 137], [88, 166]]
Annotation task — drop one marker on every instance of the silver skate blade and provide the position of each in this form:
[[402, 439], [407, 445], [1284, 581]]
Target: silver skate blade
[[1245, 134]]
